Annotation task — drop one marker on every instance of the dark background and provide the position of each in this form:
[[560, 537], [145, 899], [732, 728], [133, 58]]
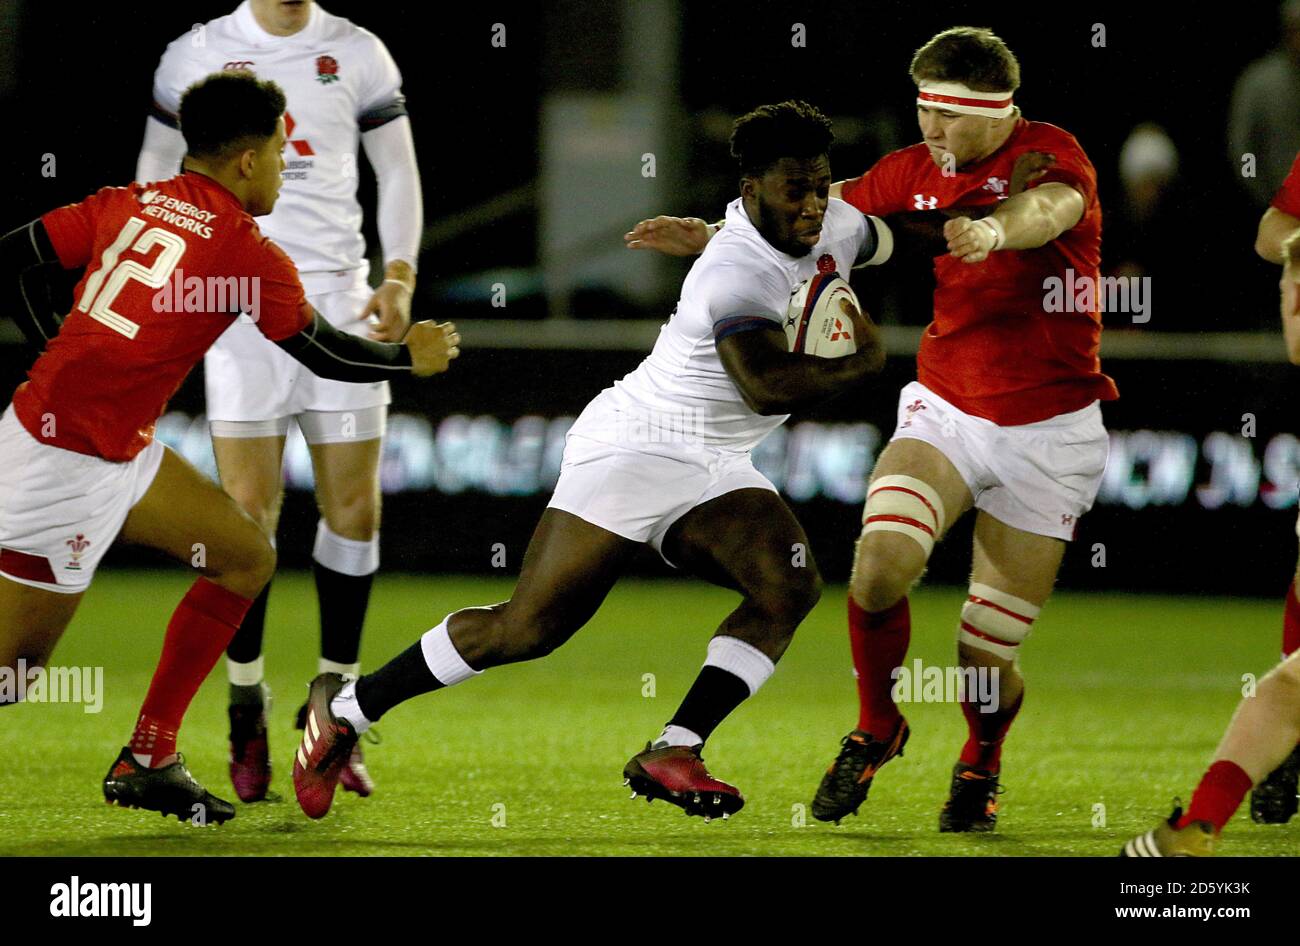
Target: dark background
[[75, 83]]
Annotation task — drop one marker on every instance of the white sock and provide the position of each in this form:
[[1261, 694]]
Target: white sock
[[345, 706], [676, 736], [346, 556], [442, 658], [244, 675], [343, 670], [744, 660]]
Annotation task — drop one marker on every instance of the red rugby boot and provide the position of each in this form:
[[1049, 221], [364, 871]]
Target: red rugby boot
[[325, 749], [678, 776]]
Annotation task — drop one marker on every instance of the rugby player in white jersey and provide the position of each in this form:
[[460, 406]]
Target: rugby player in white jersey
[[342, 86], [663, 458]]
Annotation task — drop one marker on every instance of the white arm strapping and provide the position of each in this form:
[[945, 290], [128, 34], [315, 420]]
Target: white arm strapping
[[161, 153], [391, 152]]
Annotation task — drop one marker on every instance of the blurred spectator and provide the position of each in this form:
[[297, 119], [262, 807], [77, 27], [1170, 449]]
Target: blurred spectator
[[1142, 233], [1265, 115]]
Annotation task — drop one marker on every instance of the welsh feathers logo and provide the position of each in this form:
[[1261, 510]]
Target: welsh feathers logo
[[327, 69], [78, 546], [826, 263]]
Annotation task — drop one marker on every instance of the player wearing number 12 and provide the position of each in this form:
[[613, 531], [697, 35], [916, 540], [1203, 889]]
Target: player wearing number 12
[[81, 464]]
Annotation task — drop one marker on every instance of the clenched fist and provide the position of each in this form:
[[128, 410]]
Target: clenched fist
[[432, 346]]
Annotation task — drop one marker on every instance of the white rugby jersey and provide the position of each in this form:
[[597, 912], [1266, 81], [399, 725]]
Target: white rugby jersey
[[740, 277], [339, 80]]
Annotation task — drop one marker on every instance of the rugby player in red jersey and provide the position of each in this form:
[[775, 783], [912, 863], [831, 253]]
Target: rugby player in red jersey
[[81, 463], [1004, 416], [1259, 746], [1274, 800]]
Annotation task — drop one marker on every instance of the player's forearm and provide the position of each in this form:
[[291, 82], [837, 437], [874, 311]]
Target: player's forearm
[[1038, 216], [400, 208], [25, 254], [795, 381], [1274, 227], [329, 353]]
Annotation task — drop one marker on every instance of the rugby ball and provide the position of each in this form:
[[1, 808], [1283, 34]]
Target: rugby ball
[[815, 323]]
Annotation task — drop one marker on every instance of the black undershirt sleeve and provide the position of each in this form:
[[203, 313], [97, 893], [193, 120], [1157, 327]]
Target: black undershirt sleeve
[[329, 353], [28, 265]]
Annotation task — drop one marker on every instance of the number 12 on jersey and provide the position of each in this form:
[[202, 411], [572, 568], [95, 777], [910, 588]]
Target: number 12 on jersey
[[103, 286]]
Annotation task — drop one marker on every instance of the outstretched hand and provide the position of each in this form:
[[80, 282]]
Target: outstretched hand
[[676, 236]]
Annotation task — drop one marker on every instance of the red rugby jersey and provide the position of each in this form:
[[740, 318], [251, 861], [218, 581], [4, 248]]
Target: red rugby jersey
[[1287, 198], [184, 246], [992, 350]]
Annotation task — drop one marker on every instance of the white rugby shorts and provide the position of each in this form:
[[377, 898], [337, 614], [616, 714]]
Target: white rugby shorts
[[250, 380], [638, 488], [1040, 477], [61, 510]]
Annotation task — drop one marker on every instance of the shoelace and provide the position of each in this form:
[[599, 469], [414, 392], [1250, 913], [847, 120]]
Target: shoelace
[[844, 776]]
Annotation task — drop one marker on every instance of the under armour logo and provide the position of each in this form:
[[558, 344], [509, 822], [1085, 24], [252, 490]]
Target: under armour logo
[[1066, 519], [925, 203]]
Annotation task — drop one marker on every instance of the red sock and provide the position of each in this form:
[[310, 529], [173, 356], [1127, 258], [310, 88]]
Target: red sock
[[1291, 622], [197, 635], [879, 640], [1219, 795], [983, 748]]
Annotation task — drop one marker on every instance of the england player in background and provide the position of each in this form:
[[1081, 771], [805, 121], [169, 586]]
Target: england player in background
[[1259, 746], [663, 458], [342, 85], [81, 464], [1004, 415]]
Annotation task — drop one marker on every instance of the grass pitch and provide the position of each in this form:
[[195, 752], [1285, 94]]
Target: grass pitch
[[1126, 699]]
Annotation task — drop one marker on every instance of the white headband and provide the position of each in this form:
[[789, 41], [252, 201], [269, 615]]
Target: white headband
[[957, 97]]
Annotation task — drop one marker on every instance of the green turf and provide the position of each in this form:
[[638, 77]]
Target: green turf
[[1127, 698]]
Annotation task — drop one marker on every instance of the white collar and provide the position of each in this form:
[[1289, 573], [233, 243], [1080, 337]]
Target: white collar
[[248, 26]]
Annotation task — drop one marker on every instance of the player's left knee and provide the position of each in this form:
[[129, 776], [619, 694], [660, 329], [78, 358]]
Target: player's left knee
[[353, 514], [994, 622], [357, 522]]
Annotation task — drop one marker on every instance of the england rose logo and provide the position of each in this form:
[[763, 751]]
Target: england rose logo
[[327, 69]]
